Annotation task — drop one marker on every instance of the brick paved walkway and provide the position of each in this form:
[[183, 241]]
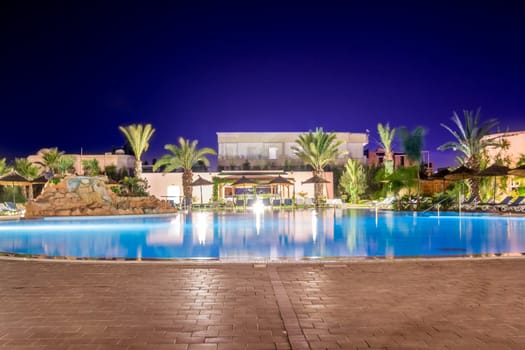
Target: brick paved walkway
[[423, 304]]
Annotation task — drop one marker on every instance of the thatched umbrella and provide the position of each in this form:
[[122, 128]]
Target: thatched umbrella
[[315, 180], [201, 182], [494, 170], [461, 173], [519, 171], [41, 180], [14, 179], [280, 181], [244, 182]]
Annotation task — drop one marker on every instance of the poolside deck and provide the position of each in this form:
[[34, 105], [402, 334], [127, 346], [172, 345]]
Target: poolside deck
[[400, 304]]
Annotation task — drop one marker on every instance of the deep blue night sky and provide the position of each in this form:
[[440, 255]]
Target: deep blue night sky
[[73, 72]]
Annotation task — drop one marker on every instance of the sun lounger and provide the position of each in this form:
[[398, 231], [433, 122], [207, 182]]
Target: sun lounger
[[516, 206], [10, 208], [4, 210], [385, 203], [469, 204], [334, 202], [493, 206]]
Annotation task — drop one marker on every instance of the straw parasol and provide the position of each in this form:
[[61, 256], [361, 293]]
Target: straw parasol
[[244, 182], [14, 179], [39, 180], [315, 180], [280, 181], [460, 173], [494, 170], [519, 171], [201, 182]]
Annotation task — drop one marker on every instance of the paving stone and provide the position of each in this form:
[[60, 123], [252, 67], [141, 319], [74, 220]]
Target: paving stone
[[398, 304]]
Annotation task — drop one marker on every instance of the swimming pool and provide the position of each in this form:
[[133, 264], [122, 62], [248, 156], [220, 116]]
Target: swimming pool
[[267, 234]]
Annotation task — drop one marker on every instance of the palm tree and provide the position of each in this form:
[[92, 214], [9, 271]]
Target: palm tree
[[353, 180], [471, 141], [387, 136], [138, 136], [91, 167], [412, 146], [318, 149], [25, 168], [51, 159], [4, 169], [66, 165], [184, 156]]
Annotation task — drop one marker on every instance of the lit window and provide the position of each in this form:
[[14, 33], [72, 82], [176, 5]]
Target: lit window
[[272, 153]]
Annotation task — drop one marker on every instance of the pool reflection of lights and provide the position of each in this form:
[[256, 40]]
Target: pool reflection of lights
[[271, 234], [258, 206], [258, 210], [314, 225], [202, 223]]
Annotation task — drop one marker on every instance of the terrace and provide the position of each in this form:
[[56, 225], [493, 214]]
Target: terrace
[[383, 304]]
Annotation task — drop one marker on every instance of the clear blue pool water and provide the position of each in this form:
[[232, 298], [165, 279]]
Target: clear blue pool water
[[270, 235]]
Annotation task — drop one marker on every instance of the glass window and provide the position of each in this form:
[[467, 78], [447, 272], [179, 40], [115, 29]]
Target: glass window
[[272, 153]]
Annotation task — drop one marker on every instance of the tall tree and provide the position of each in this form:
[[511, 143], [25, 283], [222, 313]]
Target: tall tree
[[28, 170], [184, 156], [386, 135], [4, 169], [66, 164], [412, 142], [138, 136], [353, 180], [471, 139], [318, 149], [51, 159]]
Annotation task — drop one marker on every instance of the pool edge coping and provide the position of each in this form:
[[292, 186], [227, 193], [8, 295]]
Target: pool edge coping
[[254, 261]]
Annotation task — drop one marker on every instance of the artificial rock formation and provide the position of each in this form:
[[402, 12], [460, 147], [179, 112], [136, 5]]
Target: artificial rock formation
[[90, 196]]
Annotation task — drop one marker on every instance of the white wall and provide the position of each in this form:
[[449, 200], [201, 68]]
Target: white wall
[[159, 183]]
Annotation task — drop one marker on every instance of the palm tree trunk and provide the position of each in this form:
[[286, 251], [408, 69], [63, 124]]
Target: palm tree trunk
[[187, 177], [318, 188], [473, 183], [138, 168]]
